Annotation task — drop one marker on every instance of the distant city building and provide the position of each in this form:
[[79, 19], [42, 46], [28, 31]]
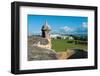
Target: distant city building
[[70, 38], [57, 36], [54, 36]]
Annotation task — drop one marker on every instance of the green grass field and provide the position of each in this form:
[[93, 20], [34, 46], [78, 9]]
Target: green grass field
[[61, 45]]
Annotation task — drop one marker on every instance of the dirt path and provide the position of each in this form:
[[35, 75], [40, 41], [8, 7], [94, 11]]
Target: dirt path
[[65, 54]]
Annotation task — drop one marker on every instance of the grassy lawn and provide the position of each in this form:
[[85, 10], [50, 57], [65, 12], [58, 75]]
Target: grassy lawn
[[62, 45]]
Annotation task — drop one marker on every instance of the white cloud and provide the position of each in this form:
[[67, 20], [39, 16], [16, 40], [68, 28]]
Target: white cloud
[[67, 29], [84, 25]]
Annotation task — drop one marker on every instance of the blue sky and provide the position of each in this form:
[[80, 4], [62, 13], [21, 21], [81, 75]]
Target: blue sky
[[59, 24]]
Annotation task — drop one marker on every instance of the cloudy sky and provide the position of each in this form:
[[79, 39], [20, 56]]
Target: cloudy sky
[[59, 24]]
